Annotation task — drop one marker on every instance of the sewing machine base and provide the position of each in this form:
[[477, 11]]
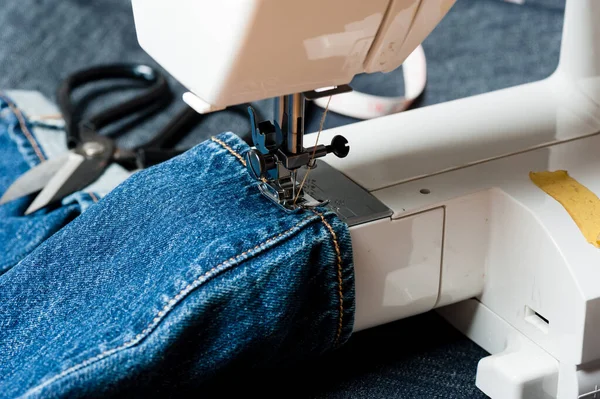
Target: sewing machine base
[[502, 260], [517, 368]]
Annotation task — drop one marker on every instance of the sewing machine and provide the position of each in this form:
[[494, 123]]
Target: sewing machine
[[442, 209]]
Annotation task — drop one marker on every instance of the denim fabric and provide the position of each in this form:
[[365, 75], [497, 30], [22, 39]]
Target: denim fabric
[[19, 235], [183, 272]]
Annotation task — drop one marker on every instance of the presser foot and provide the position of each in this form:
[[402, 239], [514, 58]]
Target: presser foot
[[326, 187], [288, 195], [277, 158]]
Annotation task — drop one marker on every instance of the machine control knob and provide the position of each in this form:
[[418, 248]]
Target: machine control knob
[[339, 147]]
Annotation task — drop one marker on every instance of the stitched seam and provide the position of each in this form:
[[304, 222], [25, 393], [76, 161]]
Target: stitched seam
[[234, 153], [93, 196], [24, 128], [339, 275], [335, 246], [231, 150], [169, 306]]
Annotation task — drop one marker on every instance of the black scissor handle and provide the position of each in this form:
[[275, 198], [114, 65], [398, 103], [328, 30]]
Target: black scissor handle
[[158, 94]]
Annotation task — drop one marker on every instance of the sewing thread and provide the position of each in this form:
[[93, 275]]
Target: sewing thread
[[311, 163]]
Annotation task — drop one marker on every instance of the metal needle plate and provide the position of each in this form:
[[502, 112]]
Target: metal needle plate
[[353, 204]]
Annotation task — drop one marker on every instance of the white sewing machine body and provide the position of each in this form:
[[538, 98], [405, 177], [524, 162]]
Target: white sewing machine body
[[470, 234], [237, 51]]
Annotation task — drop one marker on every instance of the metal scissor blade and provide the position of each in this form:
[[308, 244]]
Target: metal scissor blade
[[34, 179], [74, 175]]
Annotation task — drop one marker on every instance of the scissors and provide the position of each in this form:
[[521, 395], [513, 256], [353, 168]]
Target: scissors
[[90, 152]]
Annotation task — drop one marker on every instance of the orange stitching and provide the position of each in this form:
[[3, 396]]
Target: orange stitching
[[339, 274], [168, 307], [231, 150], [94, 198], [24, 128], [235, 154]]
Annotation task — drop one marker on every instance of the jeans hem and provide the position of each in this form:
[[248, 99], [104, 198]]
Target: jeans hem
[[342, 247]]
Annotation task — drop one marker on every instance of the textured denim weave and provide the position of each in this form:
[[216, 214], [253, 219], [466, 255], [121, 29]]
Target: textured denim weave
[[183, 272], [19, 235]]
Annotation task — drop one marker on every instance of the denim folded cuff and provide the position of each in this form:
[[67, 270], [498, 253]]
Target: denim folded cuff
[[333, 230]]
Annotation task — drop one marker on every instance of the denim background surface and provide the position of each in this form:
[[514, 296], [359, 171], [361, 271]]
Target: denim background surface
[[481, 45]]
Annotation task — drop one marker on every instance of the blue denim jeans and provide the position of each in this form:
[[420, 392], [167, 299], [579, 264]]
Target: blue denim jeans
[[19, 235], [181, 274]]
